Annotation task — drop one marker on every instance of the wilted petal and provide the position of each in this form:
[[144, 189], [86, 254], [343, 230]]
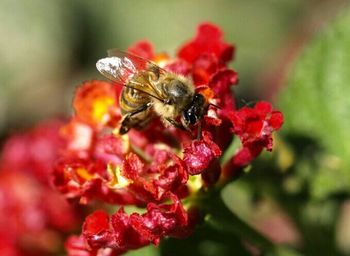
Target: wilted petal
[[199, 153]]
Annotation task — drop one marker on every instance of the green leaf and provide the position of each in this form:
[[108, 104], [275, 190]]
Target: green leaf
[[316, 105], [150, 250]]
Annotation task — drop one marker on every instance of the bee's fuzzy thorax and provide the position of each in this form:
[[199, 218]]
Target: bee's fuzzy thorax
[[165, 111]]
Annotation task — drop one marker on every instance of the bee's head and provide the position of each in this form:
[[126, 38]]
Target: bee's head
[[195, 110]]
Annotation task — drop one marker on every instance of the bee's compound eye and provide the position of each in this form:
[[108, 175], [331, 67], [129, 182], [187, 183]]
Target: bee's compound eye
[[190, 116], [198, 99], [194, 110]]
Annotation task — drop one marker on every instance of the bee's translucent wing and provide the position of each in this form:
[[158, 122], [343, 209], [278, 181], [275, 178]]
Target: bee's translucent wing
[[116, 68], [120, 67], [138, 62]]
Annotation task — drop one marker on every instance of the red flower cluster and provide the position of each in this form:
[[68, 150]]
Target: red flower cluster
[[34, 218], [125, 232], [254, 127], [151, 168]]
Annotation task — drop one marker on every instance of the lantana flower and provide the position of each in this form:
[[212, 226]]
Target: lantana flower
[[155, 168]]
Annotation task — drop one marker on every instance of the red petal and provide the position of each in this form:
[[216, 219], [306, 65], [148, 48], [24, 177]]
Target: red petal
[[179, 66], [221, 84], [76, 246], [254, 127], [222, 80], [143, 49], [276, 120], [126, 236], [97, 232], [132, 166], [172, 177], [96, 222], [207, 41], [203, 68], [79, 138], [245, 155], [262, 108], [111, 149], [95, 103]]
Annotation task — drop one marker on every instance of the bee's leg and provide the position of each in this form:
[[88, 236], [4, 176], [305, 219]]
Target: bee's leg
[[176, 124], [127, 121], [199, 131]]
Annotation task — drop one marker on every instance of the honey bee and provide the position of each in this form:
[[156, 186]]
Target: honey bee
[[150, 90]]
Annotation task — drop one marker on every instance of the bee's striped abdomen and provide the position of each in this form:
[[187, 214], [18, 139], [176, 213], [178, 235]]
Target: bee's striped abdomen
[[130, 101]]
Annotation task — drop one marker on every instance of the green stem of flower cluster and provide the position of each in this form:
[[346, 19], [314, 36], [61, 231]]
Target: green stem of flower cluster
[[223, 219]]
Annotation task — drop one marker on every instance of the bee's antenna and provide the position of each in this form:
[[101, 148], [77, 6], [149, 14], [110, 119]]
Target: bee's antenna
[[247, 103]]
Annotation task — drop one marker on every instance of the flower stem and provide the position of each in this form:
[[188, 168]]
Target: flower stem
[[224, 220]]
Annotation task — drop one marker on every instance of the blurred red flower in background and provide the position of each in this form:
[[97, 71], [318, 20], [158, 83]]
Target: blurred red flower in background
[[34, 218]]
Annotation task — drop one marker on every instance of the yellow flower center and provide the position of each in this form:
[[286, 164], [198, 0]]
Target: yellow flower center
[[100, 109], [117, 179]]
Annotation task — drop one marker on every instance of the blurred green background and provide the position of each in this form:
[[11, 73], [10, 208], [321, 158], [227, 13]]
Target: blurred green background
[[47, 48], [298, 195]]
